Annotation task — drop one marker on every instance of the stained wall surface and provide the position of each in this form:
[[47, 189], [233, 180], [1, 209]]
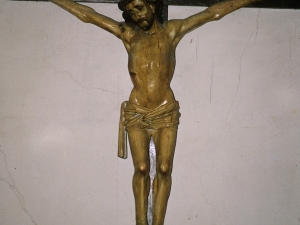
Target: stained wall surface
[[61, 85]]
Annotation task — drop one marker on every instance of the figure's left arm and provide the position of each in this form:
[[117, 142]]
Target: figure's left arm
[[214, 12]]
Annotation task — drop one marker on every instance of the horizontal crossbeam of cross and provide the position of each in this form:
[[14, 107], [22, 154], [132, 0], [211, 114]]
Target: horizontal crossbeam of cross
[[279, 4], [275, 4]]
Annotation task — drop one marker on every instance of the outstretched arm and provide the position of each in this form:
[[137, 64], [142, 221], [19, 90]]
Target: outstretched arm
[[89, 15], [214, 12]]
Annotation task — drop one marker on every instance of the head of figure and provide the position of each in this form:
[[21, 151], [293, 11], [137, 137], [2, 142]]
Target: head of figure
[[142, 12]]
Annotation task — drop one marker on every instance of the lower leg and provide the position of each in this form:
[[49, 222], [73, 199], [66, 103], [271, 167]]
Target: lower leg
[[141, 187], [161, 189]]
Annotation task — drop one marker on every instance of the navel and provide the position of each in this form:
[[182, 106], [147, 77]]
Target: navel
[[132, 74]]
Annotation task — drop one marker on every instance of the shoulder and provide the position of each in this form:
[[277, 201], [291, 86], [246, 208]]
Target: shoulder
[[127, 31], [173, 28]]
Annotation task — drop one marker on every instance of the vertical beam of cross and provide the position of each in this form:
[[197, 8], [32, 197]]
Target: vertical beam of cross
[[165, 10]]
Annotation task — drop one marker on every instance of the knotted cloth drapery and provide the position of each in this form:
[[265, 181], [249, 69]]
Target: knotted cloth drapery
[[137, 116]]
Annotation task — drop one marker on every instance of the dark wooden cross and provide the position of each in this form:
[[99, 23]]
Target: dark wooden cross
[[278, 4]]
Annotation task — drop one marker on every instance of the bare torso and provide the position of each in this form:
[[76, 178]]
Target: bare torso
[[151, 53], [151, 64]]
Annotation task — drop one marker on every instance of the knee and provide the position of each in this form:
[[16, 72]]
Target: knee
[[142, 169], [165, 170]]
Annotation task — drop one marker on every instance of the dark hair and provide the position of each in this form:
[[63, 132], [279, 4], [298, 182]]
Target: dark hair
[[159, 5]]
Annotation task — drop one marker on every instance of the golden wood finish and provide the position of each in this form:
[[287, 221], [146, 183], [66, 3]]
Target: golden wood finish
[[151, 62]]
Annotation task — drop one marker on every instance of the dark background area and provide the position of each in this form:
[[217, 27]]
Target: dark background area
[[276, 4], [288, 4]]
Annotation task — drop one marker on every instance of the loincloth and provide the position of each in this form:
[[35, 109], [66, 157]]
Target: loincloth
[[136, 116]]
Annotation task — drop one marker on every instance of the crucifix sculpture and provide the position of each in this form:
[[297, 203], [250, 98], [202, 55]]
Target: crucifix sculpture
[[152, 110]]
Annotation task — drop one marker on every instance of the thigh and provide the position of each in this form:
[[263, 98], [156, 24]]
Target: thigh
[[165, 142], [139, 140]]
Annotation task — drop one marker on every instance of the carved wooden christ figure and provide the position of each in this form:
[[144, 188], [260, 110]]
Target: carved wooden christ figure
[[151, 110]]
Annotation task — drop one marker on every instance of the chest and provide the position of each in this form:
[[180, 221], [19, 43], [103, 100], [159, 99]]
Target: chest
[[156, 44]]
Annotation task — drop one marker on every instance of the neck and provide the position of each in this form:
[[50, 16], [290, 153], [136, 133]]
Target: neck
[[155, 28]]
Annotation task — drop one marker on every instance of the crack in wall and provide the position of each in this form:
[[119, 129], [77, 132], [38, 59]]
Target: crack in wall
[[290, 46], [84, 87], [11, 183], [239, 79], [293, 173], [2, 5], [201, 186], [211, 80], [257, 19]]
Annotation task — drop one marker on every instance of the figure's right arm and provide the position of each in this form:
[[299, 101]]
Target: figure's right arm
[[89, 15]]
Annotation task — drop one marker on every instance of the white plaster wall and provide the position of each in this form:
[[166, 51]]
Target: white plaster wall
[[61, 85]]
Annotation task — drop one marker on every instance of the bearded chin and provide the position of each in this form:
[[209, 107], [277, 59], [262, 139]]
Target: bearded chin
[[145, 28], [145, 24]]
